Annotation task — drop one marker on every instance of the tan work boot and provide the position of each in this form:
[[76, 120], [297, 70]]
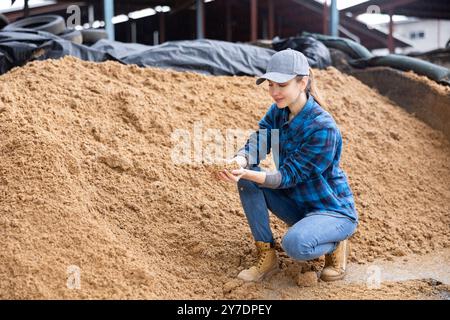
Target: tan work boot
[[336, 263], [266, 266]]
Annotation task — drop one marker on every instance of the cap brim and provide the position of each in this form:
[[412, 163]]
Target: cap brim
[[275, 77]]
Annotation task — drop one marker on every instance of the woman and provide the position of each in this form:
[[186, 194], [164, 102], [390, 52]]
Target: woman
[[309, 191]]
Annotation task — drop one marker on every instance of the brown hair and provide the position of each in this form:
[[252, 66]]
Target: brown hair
[[312, 88]]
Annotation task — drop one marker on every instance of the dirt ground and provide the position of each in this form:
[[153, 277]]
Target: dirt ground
[[87, 180]]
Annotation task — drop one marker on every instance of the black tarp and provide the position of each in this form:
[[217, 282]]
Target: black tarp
[[204, 56], [315, 51], [350, 47], [212, 57], [22, 45], [433, 71], [117, 49]]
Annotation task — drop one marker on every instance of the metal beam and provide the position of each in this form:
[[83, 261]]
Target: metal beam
[[271, 13], [423, 13], [200, 8], [391, 45], [372, 34], [334, 21], [133, 31], [349, 34], [313, 6], [26, 9], [180, 5], [91, 14], [228, 21], [155, 37], [325, 18], [356, 26], [254, 20], [109, 14], [396, 3], [162, 27]]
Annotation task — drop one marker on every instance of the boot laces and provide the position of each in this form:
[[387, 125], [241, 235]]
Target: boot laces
[[261, 257], [334, 260], [331, 260]]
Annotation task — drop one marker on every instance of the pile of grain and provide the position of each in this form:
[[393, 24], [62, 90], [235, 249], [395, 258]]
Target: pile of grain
[[87, 180]]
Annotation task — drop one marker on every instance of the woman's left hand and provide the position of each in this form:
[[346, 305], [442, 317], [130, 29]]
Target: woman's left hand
[[233, 176]]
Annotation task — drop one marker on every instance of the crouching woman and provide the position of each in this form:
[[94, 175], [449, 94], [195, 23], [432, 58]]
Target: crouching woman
[[308, 191]]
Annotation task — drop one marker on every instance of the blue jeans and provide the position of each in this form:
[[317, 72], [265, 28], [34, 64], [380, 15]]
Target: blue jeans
[[310, 235]]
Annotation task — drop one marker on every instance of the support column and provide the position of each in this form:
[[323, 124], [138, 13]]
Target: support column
[[438, 33], [91, 14], [162, 27], [26, 9], [133, 31], [325, 18], [200, 8], [264, 29], [391, 45], [228, 21], [254, 20], [278, 23], [271, 8], [334, 21], [109, 13]]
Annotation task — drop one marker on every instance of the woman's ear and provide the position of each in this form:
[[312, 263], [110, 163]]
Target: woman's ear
[[303, 83]]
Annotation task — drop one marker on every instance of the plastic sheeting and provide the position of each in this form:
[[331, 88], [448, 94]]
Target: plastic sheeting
[[315, 51], [204, 56], [435, 72], [210, 57], [22, 45], [117, 49], [350, 47]]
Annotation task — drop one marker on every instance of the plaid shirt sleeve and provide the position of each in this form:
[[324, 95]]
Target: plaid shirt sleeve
[[259, 143], [312, 157]]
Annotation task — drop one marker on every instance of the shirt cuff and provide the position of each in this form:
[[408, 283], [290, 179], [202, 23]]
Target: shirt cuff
[[272, 181], [242, 153]]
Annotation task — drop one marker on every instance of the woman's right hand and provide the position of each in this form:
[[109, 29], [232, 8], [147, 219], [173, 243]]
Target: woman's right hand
[[223, 176]]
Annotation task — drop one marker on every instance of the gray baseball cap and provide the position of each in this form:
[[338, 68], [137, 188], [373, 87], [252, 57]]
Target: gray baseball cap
[[285, 65]]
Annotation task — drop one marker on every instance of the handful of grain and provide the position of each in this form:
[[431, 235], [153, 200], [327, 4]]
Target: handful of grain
[[221, 165]]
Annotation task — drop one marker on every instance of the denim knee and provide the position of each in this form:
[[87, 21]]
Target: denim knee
[[244, 184], [297, 246]]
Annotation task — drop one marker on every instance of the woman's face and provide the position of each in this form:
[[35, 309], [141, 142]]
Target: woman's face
[[285, 94]]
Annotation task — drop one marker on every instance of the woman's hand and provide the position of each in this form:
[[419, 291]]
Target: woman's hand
[[233, 176], [237, 174]]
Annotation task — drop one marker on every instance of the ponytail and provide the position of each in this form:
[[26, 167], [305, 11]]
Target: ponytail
[[311, 88]]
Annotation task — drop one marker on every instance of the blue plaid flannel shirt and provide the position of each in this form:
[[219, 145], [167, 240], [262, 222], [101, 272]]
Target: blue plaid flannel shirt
[[310, 148]]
